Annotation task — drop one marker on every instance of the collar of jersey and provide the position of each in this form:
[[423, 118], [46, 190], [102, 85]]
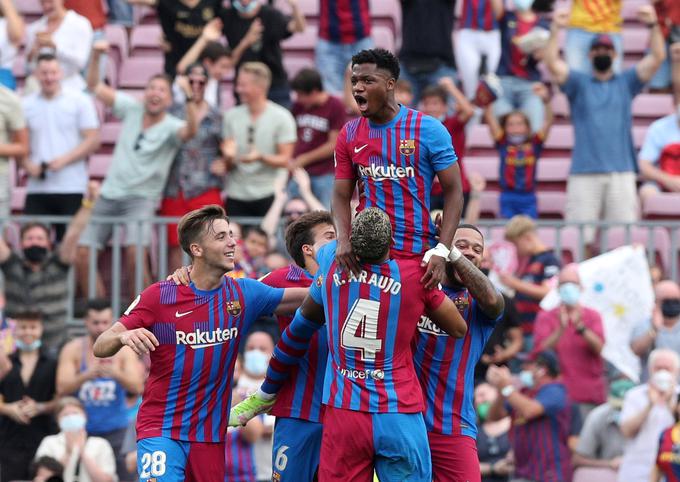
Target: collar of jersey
[[207, 292], [397, 118]]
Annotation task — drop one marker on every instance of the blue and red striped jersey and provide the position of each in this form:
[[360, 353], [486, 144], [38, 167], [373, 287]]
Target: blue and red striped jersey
[[395, 164], [518, 163], [668, 458], [239, 458], [478, 15], [301, 396], [537, 269], [344, 21], [188, 393], [514, 62], [541, 444], [371, 320], [446, 367]]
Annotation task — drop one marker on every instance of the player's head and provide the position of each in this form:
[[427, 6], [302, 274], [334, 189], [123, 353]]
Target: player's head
[[71, 415], [374, 75], [28, 331], [371, 235], [46, 469], [49, 74], [253, 82], [516, 126], [258, 351], [158, 95], [306, 235], [217, 59], [35, 242], [206, 237], [434, 101], [521, 231], [98, 317], [470, 242]]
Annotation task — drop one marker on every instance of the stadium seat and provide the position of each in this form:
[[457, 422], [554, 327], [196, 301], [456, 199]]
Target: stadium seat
[[487, 167], [565, 240], [136, 71], [652, 106], [145, 15], [489, 204], [146, 40], [551, 204], [560, 106], [664, 205], [601, 474], [108, 135], [635, 41], [301, 44], [629, 10], [29, 9], [656, 239], [118, 41], [309, 8], [18, 199], [387, 13], [98, 165], [227, 98], [293, 64], [383, 37], [478, 137], [561, 137]]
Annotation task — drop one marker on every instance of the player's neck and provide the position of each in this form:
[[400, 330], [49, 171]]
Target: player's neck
[[387, 113], [206, 278]]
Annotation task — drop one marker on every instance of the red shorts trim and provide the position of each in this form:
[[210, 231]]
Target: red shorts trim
[[179, 206], [454, 458]]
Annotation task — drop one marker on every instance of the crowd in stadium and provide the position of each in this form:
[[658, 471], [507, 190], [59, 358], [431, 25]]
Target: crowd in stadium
[[253, 105]]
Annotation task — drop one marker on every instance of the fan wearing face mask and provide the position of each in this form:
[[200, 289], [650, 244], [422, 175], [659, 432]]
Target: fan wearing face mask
[[85, 459], [576, 334], [662, 329]]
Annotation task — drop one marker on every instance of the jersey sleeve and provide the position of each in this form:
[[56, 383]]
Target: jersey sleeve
[[439, 144], [324, 257], [260, 299], [142, 311], [433, 298], [553, 398], [344, 169]]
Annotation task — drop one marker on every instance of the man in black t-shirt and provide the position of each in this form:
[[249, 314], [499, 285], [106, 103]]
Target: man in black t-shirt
[[263, 28]]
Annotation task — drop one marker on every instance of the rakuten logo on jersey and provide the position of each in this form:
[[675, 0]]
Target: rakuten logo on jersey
[[362, 374], [203, 338], [381, 173], [426, 325]]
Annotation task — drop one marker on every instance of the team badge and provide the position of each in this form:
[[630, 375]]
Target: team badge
[[461, 303], [208, 14], [234, 308], [319, 281], [407, 146]]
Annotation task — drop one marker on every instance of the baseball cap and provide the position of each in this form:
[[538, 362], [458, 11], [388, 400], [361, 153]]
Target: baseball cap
[[602, 40], [548, 359]]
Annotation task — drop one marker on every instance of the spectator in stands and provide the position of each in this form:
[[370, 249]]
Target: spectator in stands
[[668, 13], [216, 58], [587, 21], [259, 139], [426, 53], [38, 280], [259, 347], [344, 29], [600, 444], [11, 36], [149, 140], [197, 173], [435, 102], [101, 385], [182, 23], [403, 93], [532, 282], [27, 396], [648, 410], [518, 68], [659, 158], [319, 117], [493, 442], [255, 250], [667, 461], [576, 334], [46, 469], [478, 37], [263, 27], [64, 130], [95, 13], [602, 176], [13, 141], [662, 330], [519, 149], [540, 410], [65, 34], [88, 458]]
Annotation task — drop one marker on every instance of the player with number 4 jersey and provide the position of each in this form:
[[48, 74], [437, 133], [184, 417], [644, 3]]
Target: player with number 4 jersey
[[373, 399]]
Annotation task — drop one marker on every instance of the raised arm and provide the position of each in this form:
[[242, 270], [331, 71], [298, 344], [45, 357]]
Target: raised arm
[[464, 108], [542, 91], [557, 66], [15, 24], [480, 287], [272, 219], [448, 318], [191, 125], [212, 32], [297, 23], [651, 62], [492, 123], [69, 245], [103, 92], [305, 186], [291, 301], [343, 189]]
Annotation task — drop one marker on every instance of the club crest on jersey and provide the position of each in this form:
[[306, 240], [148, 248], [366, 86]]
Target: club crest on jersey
[[407, 146], [461, 303], [234, 308], [319, 281]]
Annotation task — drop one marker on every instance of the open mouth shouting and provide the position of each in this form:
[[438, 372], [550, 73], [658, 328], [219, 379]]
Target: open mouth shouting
[[362, 103]]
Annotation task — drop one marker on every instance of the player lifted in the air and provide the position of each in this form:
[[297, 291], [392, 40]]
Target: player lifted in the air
[[374, 403], [193, 333], [393, 154]]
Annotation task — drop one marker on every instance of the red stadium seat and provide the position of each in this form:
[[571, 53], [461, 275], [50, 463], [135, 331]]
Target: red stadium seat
[[98, 165], [560, 106], [29, 9], [135, 72], [652, 106], [146, 40], [664, 205], [551, 204], [309, 8], [478, 137], [487, 167], [635, 41], [561, 137], [118, 41]]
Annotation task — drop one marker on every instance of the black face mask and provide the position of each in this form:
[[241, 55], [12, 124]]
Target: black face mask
[[670, 308], [602, 63], [35, 254]]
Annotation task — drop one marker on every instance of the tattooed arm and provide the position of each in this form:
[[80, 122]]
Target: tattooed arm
[[480, 288]]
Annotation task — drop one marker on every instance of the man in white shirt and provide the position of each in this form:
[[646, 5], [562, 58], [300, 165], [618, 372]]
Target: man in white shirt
[[13, 142], [64, 130], [67, 34]]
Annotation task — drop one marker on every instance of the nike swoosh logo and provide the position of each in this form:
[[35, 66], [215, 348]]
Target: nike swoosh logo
[[359, 149], [179, 315]]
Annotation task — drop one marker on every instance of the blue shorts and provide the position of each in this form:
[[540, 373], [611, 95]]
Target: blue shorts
[[354, 444], [295, 454], [512, 203], [161, 459]]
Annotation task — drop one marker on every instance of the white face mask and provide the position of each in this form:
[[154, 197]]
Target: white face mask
[[663, 380]]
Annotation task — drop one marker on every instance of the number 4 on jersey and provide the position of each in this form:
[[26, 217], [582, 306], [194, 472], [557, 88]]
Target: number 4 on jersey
[[360, 329]]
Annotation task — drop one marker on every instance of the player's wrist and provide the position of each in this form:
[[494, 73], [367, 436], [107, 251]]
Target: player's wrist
[[454, 254]]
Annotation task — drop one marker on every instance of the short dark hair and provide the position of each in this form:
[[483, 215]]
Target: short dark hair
[[164, 77], [48, 463], [504, 118], [383, 59], [28, 315], [197, 65], [470, 226], [33, 224], [257, 230], [97, 304], [214, 51], [299, 233], [548, 360], [196, 223], [435, 91], [371, 235], [307, 81], [46, 57]]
